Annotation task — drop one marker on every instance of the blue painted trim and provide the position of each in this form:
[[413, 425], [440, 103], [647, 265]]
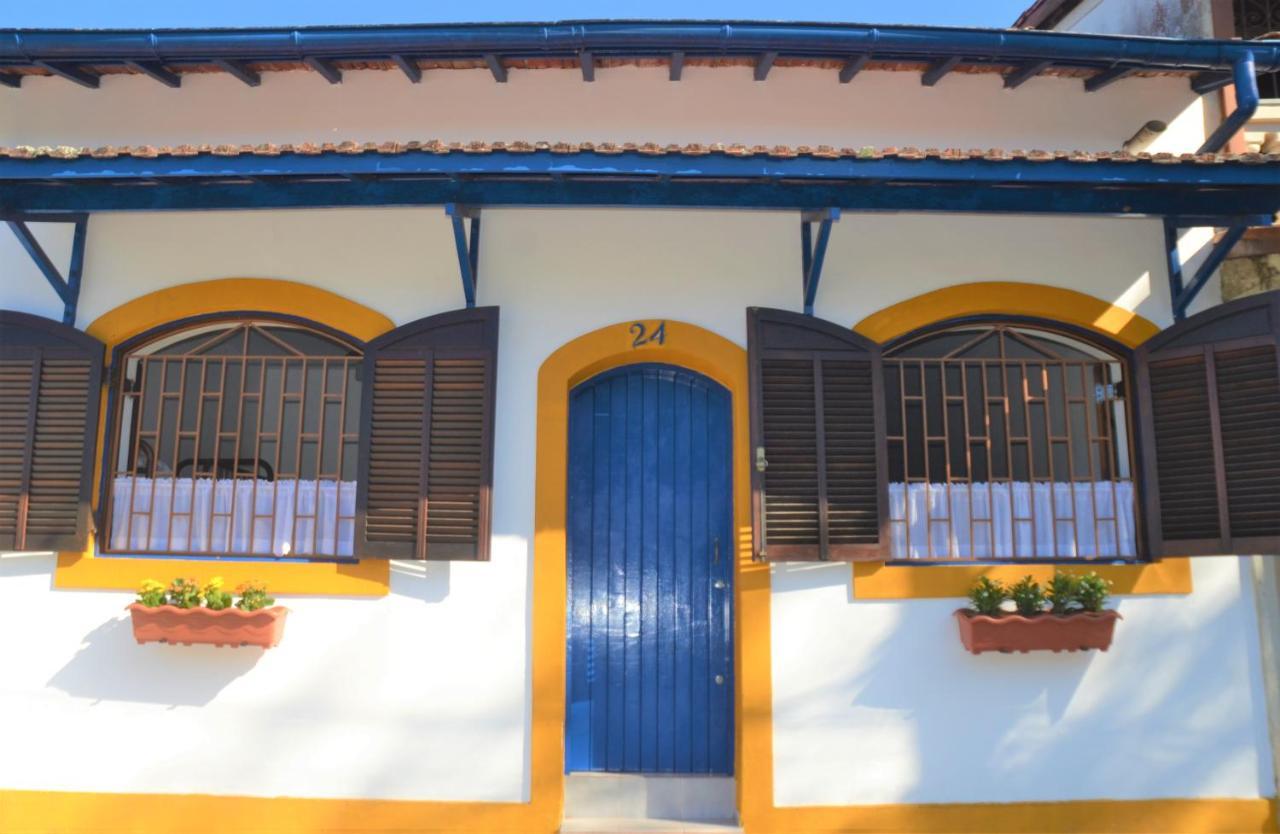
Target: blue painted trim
[[1245, 78], [633, 38], [12, 80], [1142, 199], [1217, 254], [588, 64]]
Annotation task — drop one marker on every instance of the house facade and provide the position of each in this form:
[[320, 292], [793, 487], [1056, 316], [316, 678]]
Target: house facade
[[623, 410]]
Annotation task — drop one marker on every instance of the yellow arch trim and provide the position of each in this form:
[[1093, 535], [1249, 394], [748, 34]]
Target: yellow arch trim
[[610, 347], [1010, 299], [367, 577], [874, 580]]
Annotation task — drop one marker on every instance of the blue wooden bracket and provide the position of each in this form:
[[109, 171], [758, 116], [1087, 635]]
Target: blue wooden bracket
[[68, 288], [468, 247], [1182, 294], [813, 254]]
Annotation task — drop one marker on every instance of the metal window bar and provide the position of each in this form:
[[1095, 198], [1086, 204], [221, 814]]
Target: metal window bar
[[1256, 19], [175, 420], [1033, 424]]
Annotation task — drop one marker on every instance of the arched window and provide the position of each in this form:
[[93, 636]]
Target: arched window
[[1008, 441], [235, 437]]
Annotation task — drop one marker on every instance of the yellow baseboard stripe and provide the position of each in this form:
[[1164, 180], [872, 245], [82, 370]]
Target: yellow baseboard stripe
[[41, 812], [50, 812], [1154, 816]]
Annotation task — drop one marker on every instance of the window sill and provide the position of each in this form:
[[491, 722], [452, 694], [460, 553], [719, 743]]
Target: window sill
[[364, 578], [876, 580]]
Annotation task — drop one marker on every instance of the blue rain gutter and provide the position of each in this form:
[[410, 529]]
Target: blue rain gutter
[[1245, 78], [631, 38]]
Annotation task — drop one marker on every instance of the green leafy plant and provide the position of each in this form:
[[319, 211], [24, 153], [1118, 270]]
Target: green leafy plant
[[1063, 593], [1027, 596], [215, 598], [151, 593], [1092, 591], [185, 593], [253, 596], [987, 595]]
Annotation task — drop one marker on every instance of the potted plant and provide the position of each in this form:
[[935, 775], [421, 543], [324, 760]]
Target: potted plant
[[1075, 619], [186, 612]]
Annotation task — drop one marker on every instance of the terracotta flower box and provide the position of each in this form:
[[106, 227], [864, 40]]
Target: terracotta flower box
[[228, 627], [1080, 631]]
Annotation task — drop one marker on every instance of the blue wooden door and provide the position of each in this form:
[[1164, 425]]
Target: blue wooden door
[[650, 561]]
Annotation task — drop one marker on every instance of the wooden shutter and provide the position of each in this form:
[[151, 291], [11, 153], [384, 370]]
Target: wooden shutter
[[426, 438], [1210, 419], [818, 483], [50, 384]]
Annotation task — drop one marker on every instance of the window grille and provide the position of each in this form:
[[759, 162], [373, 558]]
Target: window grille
[[1010, 443], [236, 439]]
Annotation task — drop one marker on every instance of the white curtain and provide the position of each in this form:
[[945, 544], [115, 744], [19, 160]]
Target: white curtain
[[1006, 521], [233, 516]]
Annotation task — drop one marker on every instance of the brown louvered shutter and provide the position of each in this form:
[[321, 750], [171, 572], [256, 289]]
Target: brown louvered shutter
[[50, 383], [818, 484], [1210, 417], [426, 454]]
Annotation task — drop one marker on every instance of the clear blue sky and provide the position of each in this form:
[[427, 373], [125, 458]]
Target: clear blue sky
[[170, 13]]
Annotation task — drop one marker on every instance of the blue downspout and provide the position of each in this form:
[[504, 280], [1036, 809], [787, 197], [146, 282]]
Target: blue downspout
[[1245, 75]]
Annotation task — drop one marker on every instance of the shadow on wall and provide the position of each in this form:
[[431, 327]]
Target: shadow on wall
[[26, 564], [425, 581], [110, 666], [1091, 725]]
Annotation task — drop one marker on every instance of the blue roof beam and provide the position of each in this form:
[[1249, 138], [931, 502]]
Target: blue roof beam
[[240, 70], [763, 64], [676, 68], [1018, 76], [496, 67], [938, 70], [327, 68], [853, 66], [588, 63], [1182, 296], [1207, 82], [71, 73], [1106, 78], [10, 79], [409, 66], [157, 71]]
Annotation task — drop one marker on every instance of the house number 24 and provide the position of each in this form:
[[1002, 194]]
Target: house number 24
[[643, 335]]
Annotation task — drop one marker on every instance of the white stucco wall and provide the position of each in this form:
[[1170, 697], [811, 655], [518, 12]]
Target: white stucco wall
[[424, 694]]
